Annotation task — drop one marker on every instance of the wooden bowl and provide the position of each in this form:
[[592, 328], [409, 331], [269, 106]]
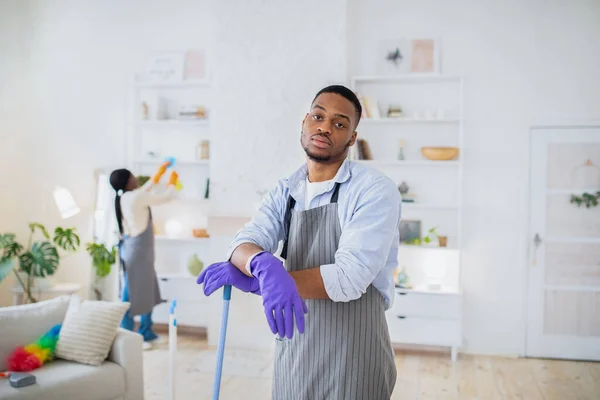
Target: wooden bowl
[[439, 153]]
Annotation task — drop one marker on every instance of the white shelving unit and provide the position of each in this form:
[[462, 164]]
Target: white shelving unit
[[150, 141], [422, 315]]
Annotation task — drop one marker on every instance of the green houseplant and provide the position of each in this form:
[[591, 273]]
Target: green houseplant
[[587, 199], [433, 235], [102, 259], [40, 258]]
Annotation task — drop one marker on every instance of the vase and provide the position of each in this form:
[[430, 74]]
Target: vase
[[443, 241]]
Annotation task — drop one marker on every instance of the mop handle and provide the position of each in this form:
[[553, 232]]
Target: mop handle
[[221, 347]]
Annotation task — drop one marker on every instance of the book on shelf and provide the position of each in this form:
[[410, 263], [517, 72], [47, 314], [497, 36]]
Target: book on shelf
[[360, 151]]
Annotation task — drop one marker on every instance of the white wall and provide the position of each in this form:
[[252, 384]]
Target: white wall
[[272, 57], [524, 62]]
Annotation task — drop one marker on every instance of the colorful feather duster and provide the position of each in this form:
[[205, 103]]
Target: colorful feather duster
[[34, 355]]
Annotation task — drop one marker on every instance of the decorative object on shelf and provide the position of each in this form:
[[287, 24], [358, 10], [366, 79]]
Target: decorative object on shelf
[[200, 233], [102, 260], [401, 278], [401, 150], [419, 55], [191, 112], [403, 188], [433, 237], [587, 199], [395, 112], [39, 259], [164, 66], [370, 108], [410, 230], [440, 153], [404, 193], [195, 65], [195, 265], [162, 109], [424, 56], [203, 150], [395, 56], [145, 111]]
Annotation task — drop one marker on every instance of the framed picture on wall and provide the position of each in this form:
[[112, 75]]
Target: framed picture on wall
[[165, 67], [410, 56], [410, 230]]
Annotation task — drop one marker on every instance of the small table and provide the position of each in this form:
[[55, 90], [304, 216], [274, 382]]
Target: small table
[[59, 289]]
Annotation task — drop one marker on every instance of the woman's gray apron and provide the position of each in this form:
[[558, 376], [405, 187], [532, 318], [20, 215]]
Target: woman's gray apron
[[345, 352], [137, 258]]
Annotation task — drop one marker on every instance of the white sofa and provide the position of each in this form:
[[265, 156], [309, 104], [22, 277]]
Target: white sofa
[[120, 377]]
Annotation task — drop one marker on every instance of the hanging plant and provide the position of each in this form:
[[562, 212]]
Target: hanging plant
[[586, 199]]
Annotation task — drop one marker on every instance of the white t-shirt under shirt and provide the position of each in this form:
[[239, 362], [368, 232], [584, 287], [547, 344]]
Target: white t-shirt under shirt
[[313, 189]]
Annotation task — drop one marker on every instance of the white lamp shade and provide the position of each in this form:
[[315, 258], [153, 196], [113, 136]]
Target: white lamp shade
[[65, 203]]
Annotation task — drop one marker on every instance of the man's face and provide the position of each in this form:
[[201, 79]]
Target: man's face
[[328, 130]]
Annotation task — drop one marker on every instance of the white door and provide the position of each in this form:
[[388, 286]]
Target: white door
[[564, 258]]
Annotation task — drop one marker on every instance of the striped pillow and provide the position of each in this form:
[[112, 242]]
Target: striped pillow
[[89, 329]]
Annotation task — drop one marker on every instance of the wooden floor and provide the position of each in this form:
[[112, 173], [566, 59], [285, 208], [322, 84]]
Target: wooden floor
[[421, 375]]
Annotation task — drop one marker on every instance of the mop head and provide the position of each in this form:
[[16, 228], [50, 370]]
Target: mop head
[[36, 354]]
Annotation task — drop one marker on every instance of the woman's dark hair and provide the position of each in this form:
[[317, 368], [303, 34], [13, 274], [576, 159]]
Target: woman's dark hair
[[118, 181]]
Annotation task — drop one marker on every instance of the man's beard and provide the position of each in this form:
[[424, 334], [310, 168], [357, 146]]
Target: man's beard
[[323, 159]]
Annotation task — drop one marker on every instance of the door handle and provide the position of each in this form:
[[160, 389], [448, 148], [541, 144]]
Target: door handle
[[537, 241]]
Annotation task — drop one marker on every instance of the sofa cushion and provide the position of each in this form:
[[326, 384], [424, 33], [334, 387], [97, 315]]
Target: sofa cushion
[[24, 324], [89, 330], [66, 380]]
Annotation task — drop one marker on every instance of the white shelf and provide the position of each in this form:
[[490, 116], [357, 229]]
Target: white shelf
[[393, 121], [426, 248], [573, 191], [190, 83], [174, 276], [421, 163], [574, 239], [190, 239], [425, 290], [406, 78], [172, 123], [572, 288], [182, 163], [425, 206]]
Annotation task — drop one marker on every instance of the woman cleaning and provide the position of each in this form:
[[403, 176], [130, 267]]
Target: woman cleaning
[[136, 244]]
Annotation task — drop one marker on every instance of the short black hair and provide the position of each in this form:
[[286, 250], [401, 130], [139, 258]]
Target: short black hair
[[345, 93]]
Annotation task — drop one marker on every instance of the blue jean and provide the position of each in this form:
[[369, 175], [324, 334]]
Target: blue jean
[[145, 328]]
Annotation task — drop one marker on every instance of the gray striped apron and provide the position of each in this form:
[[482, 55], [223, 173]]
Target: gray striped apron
[[137, 258], [345, 352]]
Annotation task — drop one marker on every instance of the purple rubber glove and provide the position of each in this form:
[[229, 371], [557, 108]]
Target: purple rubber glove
[[281, 299], [225, 273]]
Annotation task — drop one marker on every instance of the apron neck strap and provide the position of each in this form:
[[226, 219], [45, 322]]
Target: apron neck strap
[[288, 216]]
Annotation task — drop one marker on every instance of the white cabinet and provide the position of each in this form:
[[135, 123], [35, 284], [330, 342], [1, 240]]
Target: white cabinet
[[192, 305], [426, 318]]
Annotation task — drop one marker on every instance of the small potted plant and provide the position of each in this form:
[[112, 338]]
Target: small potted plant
[[433, 236], [102, 259]]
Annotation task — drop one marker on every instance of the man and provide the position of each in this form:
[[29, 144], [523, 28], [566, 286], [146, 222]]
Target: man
[[338, 221]]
